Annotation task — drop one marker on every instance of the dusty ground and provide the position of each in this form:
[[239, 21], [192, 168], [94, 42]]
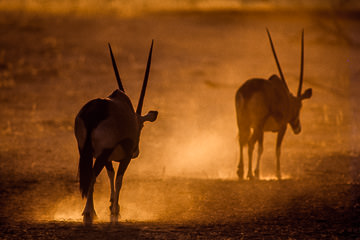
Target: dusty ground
[[183, 185]]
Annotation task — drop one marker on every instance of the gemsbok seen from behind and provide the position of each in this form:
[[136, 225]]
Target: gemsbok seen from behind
[[108, 129], [267, 105]]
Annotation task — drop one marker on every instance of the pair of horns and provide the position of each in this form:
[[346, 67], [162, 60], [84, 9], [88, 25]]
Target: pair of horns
[[301, 62], [143, 89]]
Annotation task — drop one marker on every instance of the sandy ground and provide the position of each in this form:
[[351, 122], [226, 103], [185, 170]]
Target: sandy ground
[[183, 185]]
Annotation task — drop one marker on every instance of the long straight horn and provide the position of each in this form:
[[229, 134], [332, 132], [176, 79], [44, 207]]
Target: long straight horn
[[301, 64], [143, 89], [118, 79], [276, 59]]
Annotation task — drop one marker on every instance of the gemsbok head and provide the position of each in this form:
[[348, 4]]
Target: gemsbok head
[[108, 129], [267, 105]]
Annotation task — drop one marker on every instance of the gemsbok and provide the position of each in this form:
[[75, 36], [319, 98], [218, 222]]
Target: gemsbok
[[267, 105], [108, 129]]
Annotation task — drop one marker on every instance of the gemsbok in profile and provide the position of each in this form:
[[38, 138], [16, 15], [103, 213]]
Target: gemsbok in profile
[[267, 105], [108, 129]]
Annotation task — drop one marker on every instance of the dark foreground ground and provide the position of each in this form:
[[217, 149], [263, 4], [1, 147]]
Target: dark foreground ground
[[183, 185], [193, 209]]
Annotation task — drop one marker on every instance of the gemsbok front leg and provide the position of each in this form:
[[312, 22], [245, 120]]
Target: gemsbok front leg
[[279, 139]]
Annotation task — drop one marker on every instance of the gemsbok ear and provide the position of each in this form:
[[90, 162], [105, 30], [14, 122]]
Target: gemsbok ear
[[307, 94], [150, 117]]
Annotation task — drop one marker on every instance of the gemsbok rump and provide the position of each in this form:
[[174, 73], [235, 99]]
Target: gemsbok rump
[[108, 129], [267, 105]]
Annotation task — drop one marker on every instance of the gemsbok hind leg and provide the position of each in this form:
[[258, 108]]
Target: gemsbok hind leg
[[256, 136], [260, 151], [240, 171], [251, 145], [89, 211], [243, 138], [111, 175], [115, 211]]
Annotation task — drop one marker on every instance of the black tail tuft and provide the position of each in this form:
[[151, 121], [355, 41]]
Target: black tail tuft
[[85, 166]]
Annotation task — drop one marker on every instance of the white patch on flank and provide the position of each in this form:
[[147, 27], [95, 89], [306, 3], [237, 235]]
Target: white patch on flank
[[106, 136]]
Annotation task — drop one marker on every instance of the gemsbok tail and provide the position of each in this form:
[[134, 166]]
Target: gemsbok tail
[[83, 136], [85, 167]]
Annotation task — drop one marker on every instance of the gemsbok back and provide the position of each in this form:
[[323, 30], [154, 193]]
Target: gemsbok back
[[108, 129], [267, 105]]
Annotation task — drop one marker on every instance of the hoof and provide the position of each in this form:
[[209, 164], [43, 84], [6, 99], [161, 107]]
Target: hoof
[[114, 213], [278, 175], [88, 218], [257, 174], [114, 218], [240, 174], [250, 176]]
